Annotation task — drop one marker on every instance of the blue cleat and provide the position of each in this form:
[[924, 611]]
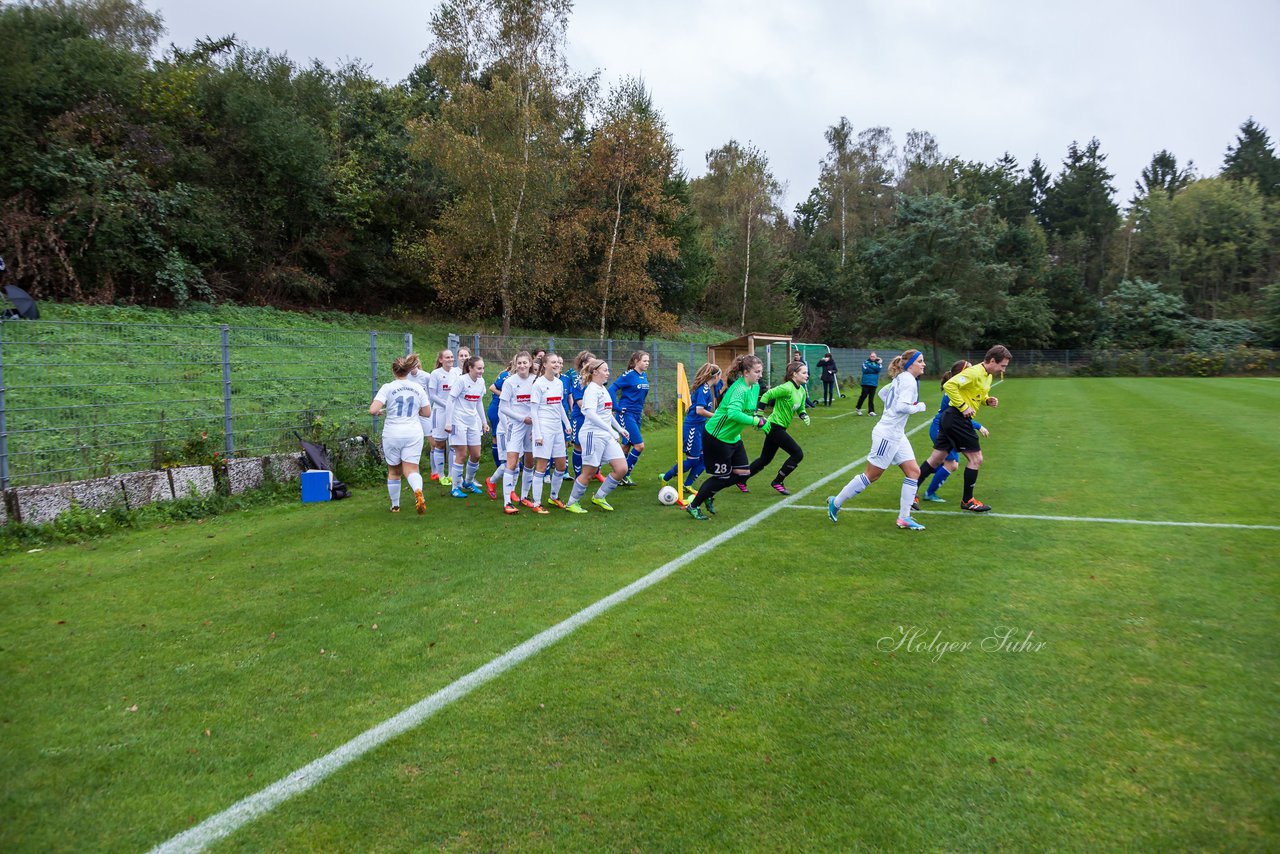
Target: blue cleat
[[929, 496], [909, 524], [458, 492], [833, 512]]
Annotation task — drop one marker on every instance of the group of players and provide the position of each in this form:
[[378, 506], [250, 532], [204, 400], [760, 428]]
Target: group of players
[[541, 416]]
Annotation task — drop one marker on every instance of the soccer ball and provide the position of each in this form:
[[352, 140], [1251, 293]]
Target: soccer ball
[[667, 495]]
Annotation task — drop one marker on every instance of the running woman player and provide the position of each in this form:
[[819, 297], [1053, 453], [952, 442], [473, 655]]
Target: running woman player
[[439, 387], [516, 411], [722, 450], [968, 390], [952, 462], [629, 391], [889, 443], [466, 424], [550, 427], [788, 401], [601, 438], [702, 404], [404, 401]]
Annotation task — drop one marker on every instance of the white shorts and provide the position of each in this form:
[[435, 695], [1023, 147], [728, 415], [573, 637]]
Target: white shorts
[[437, 423], [552, 447], [598, 448], [889, 451], [518, 438], [401, 447], [464, 434]]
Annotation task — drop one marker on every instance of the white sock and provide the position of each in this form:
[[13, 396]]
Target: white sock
[[508, 484], [455, 471], [473, 468], [539, 478], [393, 489], [557, 478], [437, 460], [607, 486], [909, 488], [526, 481], [852, 488], [575, 495], [415, 481]]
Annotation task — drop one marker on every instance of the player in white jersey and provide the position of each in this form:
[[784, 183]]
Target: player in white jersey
[[550, 429], [889, 443], [440, 385], [404, 402], [465, 422], [516, 406], [601, 437]]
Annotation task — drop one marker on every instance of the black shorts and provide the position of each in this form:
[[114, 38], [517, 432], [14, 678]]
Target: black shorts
[[721, 458], [956, 433]]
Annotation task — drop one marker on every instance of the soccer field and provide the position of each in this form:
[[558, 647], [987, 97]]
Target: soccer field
[[1092, 666]]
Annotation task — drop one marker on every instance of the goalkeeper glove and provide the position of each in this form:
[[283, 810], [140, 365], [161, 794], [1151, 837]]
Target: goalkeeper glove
[[804, 416]]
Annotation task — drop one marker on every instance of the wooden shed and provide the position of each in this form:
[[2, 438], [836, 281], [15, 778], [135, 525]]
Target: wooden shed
[[759, 343]]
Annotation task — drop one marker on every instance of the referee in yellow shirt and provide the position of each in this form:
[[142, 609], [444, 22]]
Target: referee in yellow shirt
[[968, 390]]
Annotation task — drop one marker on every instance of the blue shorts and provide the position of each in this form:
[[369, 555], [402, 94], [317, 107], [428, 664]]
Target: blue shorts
[[631, 421], [952, 457], [575, 421], [693, 441]]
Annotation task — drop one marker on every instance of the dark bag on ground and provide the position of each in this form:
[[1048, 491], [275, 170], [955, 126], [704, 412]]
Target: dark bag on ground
[[316, 458]]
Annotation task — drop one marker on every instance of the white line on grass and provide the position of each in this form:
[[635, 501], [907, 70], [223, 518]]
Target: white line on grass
[[242, 812], [1055, 518]]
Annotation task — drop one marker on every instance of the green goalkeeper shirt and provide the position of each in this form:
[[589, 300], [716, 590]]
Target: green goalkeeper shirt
[[733, 412], [788, 401]]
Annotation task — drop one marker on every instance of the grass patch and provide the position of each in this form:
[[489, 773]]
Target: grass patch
[[156, 676]]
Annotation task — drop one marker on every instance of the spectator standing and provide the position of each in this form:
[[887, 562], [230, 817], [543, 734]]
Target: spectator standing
[[870, 379]]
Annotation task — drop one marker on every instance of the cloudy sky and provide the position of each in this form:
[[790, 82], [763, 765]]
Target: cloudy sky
[[983, 76]]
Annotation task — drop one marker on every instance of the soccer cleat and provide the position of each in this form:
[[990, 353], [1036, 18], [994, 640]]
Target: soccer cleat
[[599, 477], [929, 496], [627, 481], [575, 507], [742, 487], [833, 512], [510, 510], [692, 490], [696, 512], [435, 476], [872, 413], [474, 487], [539, 509], [513, 498], [602, 503], [710, 504], [491, 489], [780, 489], [556, 502], [909, 524], [528, 502], [395, 508], [419, 501], [857, 412], [915, 502], [458, 492], [446, 481], [974, 505]]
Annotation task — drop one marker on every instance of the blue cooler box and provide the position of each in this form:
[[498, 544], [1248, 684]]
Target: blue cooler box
[[315, 486]]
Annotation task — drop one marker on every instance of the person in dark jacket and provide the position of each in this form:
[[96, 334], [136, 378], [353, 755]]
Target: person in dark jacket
[[827, 370], [870, 379]]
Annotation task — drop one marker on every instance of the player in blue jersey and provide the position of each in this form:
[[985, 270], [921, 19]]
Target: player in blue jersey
[[702, 404], [629, 391], [952, 461], [495, 389]]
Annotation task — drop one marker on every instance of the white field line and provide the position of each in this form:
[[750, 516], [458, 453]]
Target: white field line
[[223, 824], [996, 515]]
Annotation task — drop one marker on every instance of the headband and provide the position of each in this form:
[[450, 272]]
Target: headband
[[912, 360]]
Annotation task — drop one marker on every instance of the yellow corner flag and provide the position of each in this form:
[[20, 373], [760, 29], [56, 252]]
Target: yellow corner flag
[[684, 400]]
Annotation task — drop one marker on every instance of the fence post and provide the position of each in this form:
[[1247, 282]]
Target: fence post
[[551, 343], [229, 440], [4, 430], [408, 345], [609, 353], [693, 357], [653, 372], [373, 378], [475, 351]]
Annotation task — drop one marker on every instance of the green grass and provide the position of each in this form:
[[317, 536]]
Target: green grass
[[741, 703]]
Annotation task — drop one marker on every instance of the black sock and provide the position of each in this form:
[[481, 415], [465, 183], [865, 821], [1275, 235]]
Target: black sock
[[970, 478], [925, 471]]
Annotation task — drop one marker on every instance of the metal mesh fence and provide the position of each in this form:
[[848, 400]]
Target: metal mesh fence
[[81, 400]]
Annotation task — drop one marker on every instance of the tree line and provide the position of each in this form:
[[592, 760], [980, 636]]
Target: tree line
[[495, 180]]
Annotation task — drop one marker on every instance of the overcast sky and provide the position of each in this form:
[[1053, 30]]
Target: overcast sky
[[983, 76]]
